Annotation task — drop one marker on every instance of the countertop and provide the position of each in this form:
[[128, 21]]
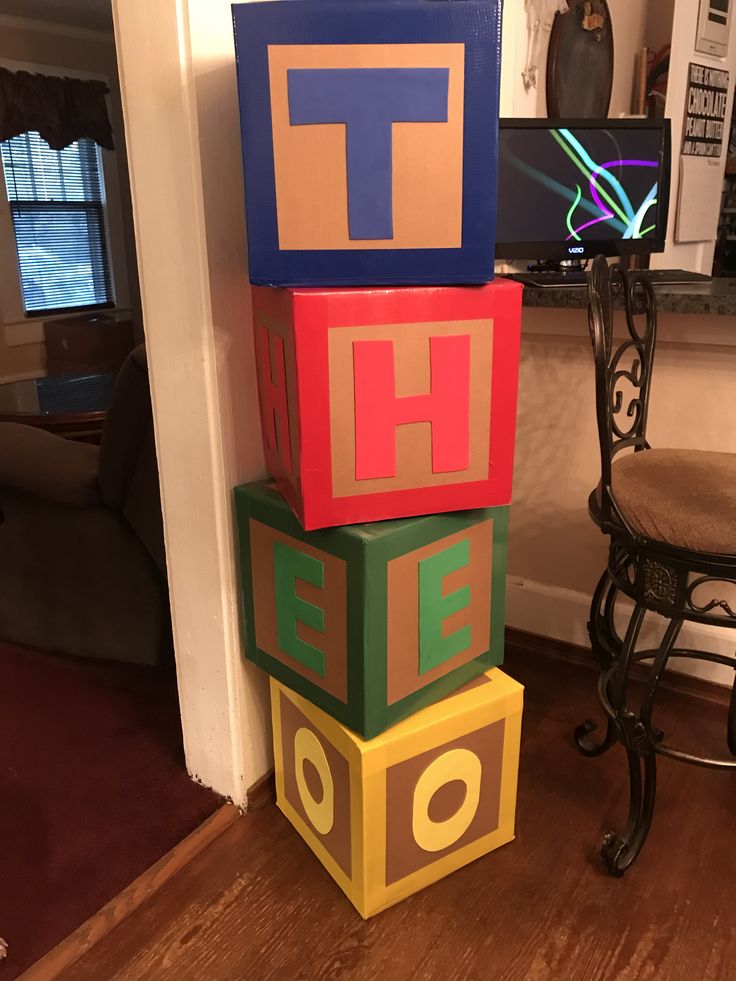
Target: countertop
[[717, 297]]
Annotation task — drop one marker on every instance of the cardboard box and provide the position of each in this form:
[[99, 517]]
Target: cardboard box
[[390, 816], [371, 622], [370, 139], [388, 403], [87, 343]]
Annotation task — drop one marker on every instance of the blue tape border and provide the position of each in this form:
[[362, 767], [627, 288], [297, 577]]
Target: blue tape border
[[474, 23]]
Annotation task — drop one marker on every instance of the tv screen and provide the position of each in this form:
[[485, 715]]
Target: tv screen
[[568, 189]]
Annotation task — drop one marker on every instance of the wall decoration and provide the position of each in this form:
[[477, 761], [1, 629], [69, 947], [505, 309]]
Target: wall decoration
[[540, 15], [698, 199], [371, 622], [390, 816], [580, 62], [706, 100], [713, 27], [704, 133], [384, 403]]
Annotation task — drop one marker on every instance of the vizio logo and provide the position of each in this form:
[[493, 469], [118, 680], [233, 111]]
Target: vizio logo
[[576, 250]]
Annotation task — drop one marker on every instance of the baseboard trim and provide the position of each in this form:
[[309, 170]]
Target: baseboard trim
[[58, 960], [686, 684], [548, 647], [262, 793], [562, 614]]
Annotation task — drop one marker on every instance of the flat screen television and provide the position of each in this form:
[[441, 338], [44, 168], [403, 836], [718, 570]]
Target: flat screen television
[[574, 188]]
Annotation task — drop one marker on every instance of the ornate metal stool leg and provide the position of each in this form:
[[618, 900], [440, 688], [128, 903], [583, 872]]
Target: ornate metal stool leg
[[731, 727], [603, 642], [589, 747], [613, 643], [640, 740], [619, 851]]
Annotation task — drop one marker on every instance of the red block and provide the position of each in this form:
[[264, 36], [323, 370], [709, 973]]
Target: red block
[[387, 403]]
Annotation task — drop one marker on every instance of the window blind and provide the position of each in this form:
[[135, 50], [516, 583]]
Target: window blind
[[57, 200]]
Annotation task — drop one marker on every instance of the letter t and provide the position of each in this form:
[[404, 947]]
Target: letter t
[[368, 101]]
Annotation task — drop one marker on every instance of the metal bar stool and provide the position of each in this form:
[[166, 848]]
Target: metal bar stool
[[671, 518]]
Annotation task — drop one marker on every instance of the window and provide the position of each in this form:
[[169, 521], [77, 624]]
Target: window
[[57, 205]]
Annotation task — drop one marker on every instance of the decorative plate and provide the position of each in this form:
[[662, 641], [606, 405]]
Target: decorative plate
[[580, 62]]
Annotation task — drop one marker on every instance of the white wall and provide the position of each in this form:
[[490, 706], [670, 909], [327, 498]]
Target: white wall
[[177, 66], [515, 99], [658, 29], [628, 18], [697, 256]]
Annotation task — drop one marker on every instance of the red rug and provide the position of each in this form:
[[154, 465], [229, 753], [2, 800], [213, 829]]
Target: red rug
[[93, 791]]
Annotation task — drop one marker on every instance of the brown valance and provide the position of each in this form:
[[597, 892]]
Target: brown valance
[[62, 110]]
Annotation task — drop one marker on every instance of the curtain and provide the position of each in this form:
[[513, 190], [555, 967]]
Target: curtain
[[62, 110]]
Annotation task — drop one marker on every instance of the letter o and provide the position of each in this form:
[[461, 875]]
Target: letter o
[[322, 813], [455, 764]]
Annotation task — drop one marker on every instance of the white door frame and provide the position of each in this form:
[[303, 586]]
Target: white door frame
[[177, 75]]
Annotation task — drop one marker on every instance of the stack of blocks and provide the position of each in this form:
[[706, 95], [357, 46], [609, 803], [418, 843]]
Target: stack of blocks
[[373, 565]]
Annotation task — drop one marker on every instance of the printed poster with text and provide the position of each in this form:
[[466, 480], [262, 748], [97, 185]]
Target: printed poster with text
[[705, 112]]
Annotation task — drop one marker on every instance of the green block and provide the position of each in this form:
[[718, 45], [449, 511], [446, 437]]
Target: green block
[[371, 622]]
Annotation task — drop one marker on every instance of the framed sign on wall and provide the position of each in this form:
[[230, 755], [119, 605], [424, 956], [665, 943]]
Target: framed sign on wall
[[713, 27], [704, 136], [705, 112]]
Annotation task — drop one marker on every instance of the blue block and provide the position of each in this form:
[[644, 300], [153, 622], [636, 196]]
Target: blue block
[[370, 140]]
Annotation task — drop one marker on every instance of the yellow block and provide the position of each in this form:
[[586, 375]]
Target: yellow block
[[391, 815]]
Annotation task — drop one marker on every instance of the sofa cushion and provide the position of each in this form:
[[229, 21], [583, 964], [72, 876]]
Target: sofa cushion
[[48, 467], [685, 498], [127, 424]]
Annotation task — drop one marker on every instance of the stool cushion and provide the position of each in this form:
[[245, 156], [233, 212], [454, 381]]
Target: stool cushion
[[685, 498]]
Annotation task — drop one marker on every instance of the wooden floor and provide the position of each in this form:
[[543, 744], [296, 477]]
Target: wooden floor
[[257, 905]]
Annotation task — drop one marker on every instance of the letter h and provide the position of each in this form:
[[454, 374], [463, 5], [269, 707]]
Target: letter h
[[378, 411], [275, 407]]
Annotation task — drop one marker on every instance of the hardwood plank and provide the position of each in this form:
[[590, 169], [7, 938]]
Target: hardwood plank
[[138, 892], [257, 904]]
